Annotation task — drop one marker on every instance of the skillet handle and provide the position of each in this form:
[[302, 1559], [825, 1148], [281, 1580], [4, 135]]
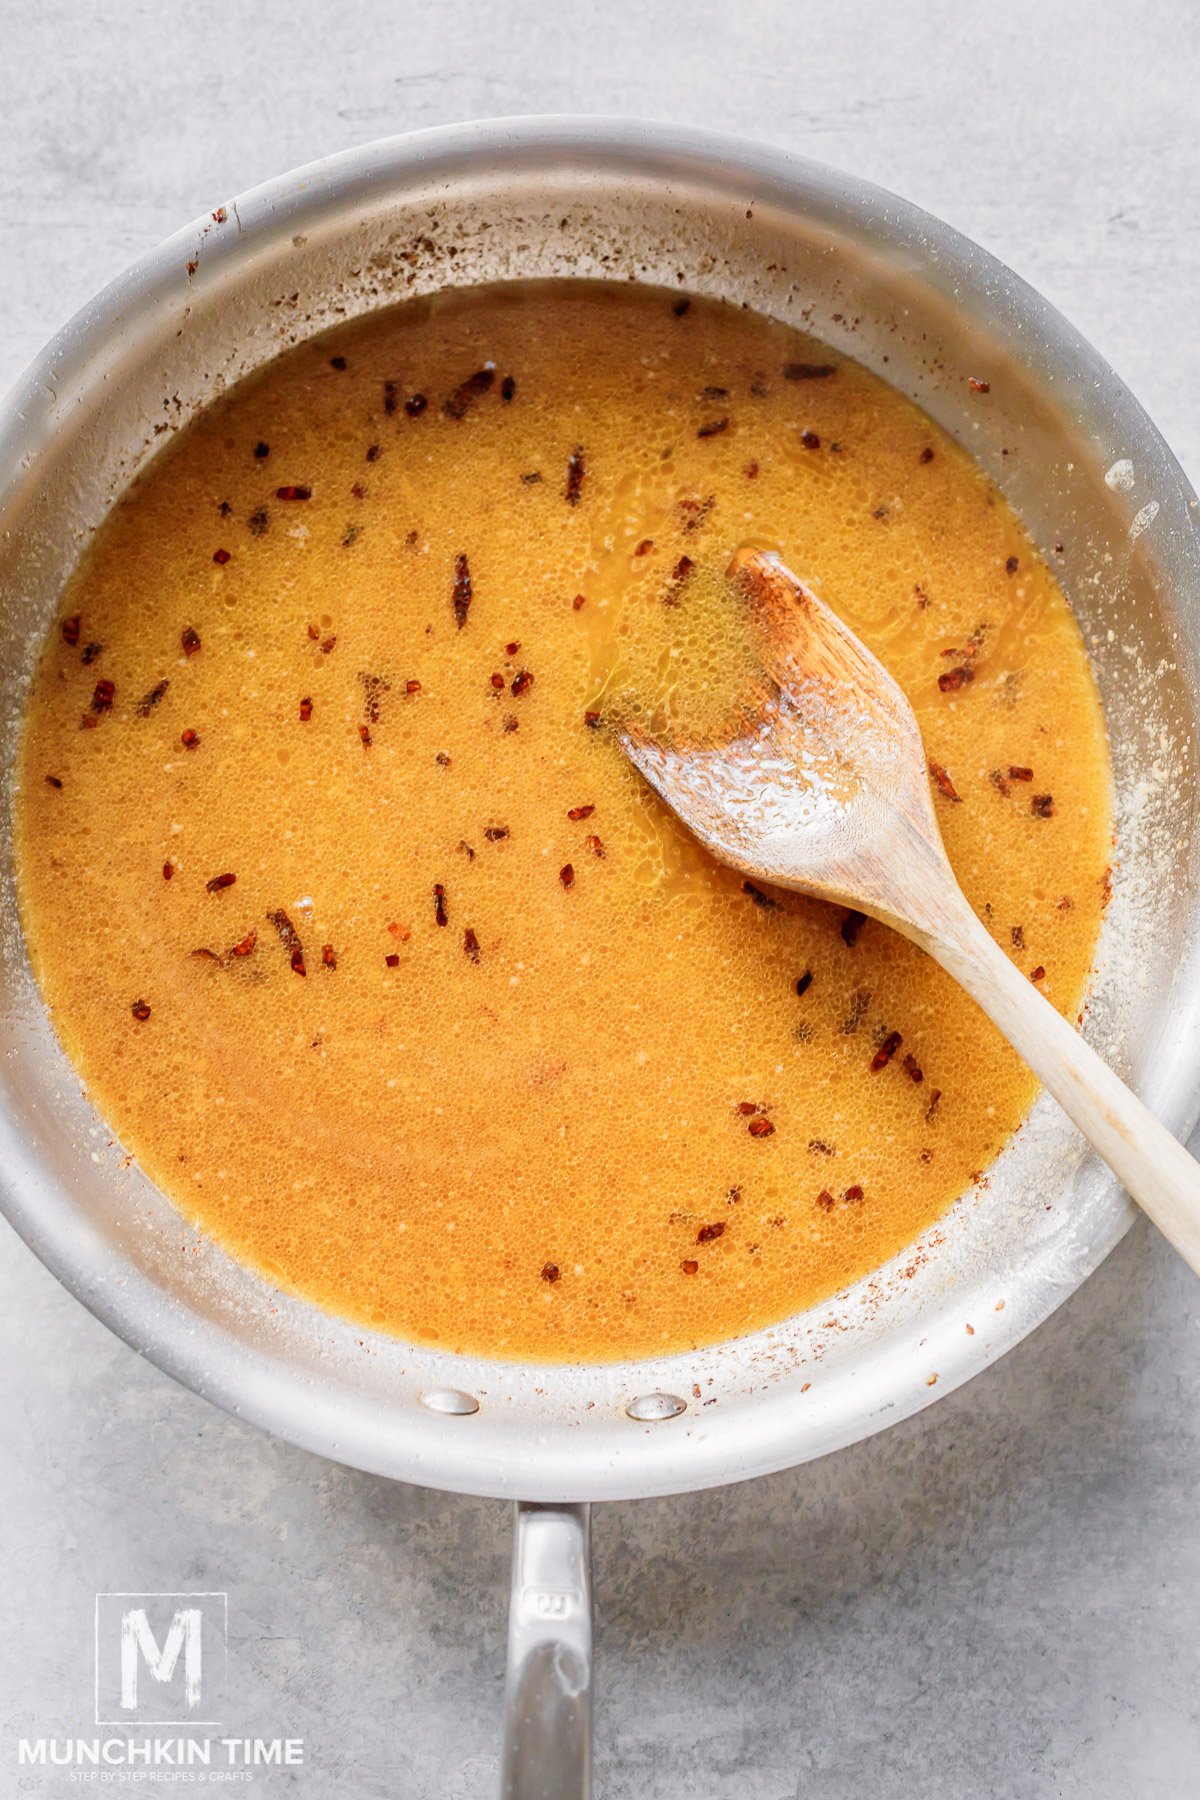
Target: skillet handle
[[548, 1693]]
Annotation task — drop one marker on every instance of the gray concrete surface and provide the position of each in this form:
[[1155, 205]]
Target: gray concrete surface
[[999, 1598]]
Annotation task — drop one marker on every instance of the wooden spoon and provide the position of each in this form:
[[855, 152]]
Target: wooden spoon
[[823, 786]]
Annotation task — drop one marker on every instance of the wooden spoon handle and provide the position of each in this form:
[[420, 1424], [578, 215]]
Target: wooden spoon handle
[[1156, 1169]]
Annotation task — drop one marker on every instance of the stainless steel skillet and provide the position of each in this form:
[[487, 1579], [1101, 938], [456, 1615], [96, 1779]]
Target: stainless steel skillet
[[1086, 469]]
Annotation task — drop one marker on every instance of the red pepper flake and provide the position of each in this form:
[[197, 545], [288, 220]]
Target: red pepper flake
[[412, 687], [913, 1070], [54, 781], [306, 707], [439, 904], [471, 944], [680, 575], [978, 387], [140, 1011], [747, 1108], [804, 982], [401, 933], [810, 440], [374, 452], [262, 451], [221, 557], [595, 845], [374, 688], [690, 1266], [189, 637], [532, 479], [149, 701], [592, 720], [498, 681], [825, 1200], [521, 683], [220, 216], [204, 955], [944, 783], [567, 875], [392, 960], [1066, 903], [508, 387], [219, 883], [511, 722], [70, 629], [1011, 565], [338, 362], [767, 901], [168, 871], [103, 695], [708, 1234], [926, 455], [327, 645], [935, 1100], [1042, 806], [761, 1128], [645, 547], [90, 653], [953, 679], [805, 371], [751, 471], [580, 812], [713, 428], [550, 1272], [466, 394], [886, 1051], [1000, 784], [1017, 934], [495, 833], [442, 760], [189, 739], [1038, 974], [290, 939], [576, 470], [852, 924], [415, 405], [364, 732], [462, 589], [1016, 772], [853, 1194], [247, 944], [293, 492], [579, 602], [391, 396], [329, 956]]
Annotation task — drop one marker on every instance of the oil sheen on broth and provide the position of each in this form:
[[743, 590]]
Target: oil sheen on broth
[[371, 947]]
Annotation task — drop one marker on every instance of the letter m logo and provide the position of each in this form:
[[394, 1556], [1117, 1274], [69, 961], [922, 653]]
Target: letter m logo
[[139, 1644], [160, 1658]]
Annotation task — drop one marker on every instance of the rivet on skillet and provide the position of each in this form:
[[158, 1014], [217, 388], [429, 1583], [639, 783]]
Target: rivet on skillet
[[648, 1408], [451, 1401]]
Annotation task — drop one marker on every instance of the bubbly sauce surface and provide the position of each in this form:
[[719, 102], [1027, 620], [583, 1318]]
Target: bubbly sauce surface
[[369, 944]]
